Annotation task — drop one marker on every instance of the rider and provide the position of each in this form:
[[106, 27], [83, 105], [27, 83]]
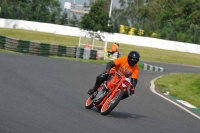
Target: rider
[[88, 46], [115, 47], [127, 66]]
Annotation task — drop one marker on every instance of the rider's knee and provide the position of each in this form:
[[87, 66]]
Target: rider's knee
[[125, 95], [101, 78]]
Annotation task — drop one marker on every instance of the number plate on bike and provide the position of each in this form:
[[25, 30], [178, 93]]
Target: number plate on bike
[[126, 82]]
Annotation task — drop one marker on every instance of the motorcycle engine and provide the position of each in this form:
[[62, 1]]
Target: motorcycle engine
[[100, 95]]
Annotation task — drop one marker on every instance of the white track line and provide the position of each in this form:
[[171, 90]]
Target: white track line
[[152, 87]]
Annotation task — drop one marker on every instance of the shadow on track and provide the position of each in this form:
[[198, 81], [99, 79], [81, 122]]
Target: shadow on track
[[121, 115]]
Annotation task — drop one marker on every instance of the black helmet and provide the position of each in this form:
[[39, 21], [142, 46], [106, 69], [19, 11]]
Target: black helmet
[[133, 58]]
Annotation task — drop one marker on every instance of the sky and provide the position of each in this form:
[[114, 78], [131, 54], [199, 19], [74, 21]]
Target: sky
[[80, 2]]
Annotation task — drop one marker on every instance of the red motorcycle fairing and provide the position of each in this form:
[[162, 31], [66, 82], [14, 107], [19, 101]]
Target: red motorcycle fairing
[[109, 94]]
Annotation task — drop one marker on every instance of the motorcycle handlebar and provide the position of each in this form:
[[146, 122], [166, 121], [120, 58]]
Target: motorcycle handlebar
[[113, 72]]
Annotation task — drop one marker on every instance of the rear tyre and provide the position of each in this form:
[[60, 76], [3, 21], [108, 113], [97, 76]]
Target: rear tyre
[[112, 102], [89, 103]]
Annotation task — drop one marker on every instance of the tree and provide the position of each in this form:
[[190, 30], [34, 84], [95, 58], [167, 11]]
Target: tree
[[64, 17], [173, 19], [128, 13], [55, 11], [74, 21], [6, 10], [97, 19]]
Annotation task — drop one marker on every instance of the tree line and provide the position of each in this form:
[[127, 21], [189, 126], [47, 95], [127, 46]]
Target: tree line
[[48, 11], [176, 20]]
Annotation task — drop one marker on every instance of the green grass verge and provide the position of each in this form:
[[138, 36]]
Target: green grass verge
[[72, 58], [8, 51], [82, 60], [183, 86], [90, 61], [151, 54], [180, 90]]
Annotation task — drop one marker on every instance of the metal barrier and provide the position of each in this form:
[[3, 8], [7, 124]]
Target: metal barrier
[[2, 41], [45, 49]]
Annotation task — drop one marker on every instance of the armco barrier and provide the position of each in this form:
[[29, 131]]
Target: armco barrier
[[34, 48], [61, 51], [43, 49], [11, 44], [54, 50], [46, 49], [86, 53], [71, 51], [2, 41], [93, 54], [152, 68], [23, 46], [79, 52]]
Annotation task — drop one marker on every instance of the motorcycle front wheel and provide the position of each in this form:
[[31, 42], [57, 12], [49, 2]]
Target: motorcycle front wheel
[[89, 103], [112, 102]]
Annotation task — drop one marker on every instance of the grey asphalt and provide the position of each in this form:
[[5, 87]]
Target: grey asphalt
[[46, 95]]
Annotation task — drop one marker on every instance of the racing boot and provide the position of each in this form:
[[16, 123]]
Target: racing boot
[[91, 91]]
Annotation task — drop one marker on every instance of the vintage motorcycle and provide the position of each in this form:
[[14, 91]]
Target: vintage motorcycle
[[110, 92]]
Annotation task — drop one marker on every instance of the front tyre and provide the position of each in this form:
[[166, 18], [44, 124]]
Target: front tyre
[[89, 103], [112, 102]]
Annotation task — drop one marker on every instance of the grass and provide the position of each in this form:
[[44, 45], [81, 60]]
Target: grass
[[147, 53], [40, 36], [184, 86], [8, 51], [83, 60]]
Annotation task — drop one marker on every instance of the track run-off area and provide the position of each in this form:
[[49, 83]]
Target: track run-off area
[[46, 95]]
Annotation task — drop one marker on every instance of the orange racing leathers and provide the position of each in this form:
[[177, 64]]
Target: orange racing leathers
[[121, 65]]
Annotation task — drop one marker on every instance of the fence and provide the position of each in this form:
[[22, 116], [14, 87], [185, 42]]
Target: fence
[[45, 49]]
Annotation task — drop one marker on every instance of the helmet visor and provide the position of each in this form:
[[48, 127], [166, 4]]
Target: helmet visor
[[132, 61]]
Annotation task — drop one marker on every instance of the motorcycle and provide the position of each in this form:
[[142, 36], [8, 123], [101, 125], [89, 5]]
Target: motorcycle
[[109, 94]]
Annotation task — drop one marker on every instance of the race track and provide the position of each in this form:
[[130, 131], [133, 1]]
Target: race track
[[46, 95]]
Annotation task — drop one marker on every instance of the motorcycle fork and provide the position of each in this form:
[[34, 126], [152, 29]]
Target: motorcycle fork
[[111, 93], [115, 89]]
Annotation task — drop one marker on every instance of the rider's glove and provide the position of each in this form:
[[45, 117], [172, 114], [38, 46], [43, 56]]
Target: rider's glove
[[106, 71]]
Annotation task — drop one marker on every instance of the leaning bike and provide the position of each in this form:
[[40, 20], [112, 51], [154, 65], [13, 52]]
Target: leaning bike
[[109, 94]]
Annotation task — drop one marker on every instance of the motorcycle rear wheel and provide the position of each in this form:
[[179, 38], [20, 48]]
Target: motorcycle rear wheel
[[109, 105]]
